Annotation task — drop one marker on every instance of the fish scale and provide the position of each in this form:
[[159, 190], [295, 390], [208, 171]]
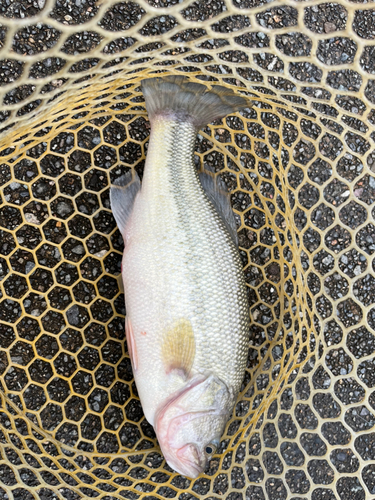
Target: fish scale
[[202, 232]]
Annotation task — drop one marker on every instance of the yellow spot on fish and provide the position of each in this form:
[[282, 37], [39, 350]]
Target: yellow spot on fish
[[178, 348]]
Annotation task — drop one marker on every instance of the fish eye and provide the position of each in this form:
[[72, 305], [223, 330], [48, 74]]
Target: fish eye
[[210, 449]]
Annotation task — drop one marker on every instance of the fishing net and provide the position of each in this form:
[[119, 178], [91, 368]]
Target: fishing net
[[299, 163]]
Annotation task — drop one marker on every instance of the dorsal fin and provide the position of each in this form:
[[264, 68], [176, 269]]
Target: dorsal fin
[[123, 194], [219, 196]]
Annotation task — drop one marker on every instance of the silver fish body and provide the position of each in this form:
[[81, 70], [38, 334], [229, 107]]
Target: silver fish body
[[187, 309]]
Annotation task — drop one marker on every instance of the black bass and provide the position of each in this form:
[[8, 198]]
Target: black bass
[[187, 323]]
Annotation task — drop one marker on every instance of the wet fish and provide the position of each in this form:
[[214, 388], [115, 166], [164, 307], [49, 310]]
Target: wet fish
[[187, 311]]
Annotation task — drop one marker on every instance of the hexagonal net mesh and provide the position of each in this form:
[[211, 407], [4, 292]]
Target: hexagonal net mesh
[[299, 165]]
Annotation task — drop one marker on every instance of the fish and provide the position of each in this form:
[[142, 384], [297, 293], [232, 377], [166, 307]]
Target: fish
[[187, 311]]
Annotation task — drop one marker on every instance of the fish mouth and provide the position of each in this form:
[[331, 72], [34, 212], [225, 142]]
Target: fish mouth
[[187, 469], [190, 463], [186, 461]]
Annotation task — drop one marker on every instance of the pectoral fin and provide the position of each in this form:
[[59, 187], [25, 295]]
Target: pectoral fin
[[123, 194], [219, 196], [178, 348]]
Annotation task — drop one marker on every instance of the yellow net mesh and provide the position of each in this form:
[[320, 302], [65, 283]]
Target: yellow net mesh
[[299, 165]]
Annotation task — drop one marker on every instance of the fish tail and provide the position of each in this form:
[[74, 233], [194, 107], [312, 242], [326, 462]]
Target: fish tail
[[183, 100]]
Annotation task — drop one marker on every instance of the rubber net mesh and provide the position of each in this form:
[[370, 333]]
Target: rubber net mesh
[[299, 164]]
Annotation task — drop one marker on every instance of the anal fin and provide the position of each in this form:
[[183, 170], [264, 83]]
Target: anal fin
[[178, 349], [122, 195], [219, 196]]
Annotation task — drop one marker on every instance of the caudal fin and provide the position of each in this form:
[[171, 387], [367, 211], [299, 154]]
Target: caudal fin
[[177, 97]]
